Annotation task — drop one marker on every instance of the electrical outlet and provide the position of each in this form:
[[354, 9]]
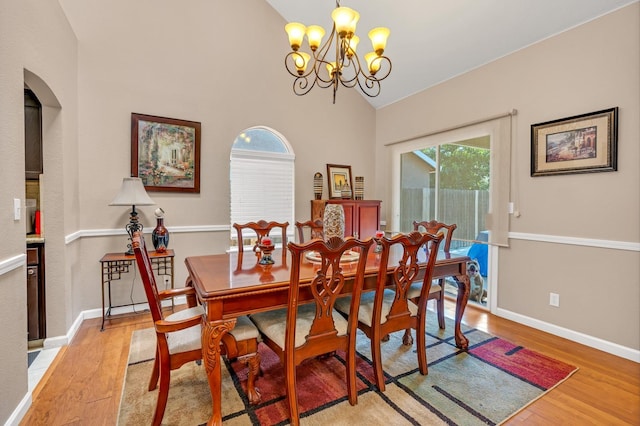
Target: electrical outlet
[[554, 299]]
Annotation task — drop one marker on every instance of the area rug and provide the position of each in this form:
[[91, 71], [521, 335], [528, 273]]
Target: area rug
[[486, 385]]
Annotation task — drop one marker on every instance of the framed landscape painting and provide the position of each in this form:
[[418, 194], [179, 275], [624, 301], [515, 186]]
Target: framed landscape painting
[[165, 153], [582, 144]]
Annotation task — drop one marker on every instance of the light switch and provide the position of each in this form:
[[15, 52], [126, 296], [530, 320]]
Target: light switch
[[17, 209]]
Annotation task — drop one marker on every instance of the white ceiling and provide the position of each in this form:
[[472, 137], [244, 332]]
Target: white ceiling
[[434, 40]]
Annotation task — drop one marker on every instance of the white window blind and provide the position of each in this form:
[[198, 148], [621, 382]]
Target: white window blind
[[262, 186]]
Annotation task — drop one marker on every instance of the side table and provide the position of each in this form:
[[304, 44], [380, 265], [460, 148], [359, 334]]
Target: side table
[[113, 265]]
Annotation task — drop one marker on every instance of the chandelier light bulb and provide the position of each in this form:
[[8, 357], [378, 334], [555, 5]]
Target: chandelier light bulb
[[372, 64], [345, 20], [314, 36], [379, 38], [353, 43], [301, 60], [296, 32]]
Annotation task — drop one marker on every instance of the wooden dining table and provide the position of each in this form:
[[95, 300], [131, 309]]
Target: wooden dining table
[[233, 284]]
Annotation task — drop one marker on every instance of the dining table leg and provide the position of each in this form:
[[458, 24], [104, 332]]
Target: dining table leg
[[212, 332], [461, 303]]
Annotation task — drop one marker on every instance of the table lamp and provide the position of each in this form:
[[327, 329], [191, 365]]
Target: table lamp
[[132, 194]]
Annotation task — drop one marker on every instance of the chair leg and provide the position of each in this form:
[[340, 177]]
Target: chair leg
[[440, 306], [376, 354], [253, 365], [407, 339], [421, 345], [153, 382], [163, 393], [292, 396], [352, 390]]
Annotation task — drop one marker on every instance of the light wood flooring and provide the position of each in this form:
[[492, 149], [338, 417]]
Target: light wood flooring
[[84, 384]]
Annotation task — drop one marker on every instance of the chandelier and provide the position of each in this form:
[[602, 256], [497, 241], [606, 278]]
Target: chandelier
[[345, 68]]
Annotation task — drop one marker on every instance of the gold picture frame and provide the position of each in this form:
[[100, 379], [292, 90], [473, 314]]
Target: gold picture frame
[[584, 143], [337, 176]]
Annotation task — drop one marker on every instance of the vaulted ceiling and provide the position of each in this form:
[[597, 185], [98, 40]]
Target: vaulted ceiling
[[432, 41]]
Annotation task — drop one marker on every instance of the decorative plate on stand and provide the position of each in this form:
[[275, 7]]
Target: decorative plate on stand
[[348, 256]]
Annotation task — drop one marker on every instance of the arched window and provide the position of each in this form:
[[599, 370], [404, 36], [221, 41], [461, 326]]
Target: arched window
[[262, 179]]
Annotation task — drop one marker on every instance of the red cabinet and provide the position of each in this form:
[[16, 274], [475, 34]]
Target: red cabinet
[[361, 217]]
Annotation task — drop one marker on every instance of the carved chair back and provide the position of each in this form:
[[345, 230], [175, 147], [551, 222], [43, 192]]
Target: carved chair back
[[315, 230], [262, 228]]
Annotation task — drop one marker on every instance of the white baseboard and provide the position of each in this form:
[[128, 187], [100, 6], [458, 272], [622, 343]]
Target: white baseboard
[[16, 417], [59, 341], [575, 336], [53, 342]]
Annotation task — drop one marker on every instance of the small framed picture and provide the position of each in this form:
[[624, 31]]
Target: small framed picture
[[165, 153], [582, 144], [338, 177]]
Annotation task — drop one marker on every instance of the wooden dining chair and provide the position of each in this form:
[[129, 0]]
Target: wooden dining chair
[[315, 229], [437, 289], [388, 310], [178, 336], [303, 331], [262, 228]]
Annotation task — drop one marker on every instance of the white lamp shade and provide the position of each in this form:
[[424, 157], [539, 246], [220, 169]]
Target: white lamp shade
[[132, 193]]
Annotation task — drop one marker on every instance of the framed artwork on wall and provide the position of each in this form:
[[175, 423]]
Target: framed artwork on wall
[[584, 143], [338, 177], [165, 153]]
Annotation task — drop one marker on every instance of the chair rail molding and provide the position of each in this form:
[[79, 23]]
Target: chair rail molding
[[588, 242], [88, 233], [557, 239], [15, 262]]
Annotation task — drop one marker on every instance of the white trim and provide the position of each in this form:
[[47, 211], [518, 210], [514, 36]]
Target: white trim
[[589, 242], [557, 239], [12, 263], [59, 341], [20, 411], [86, 233], [575, 336]]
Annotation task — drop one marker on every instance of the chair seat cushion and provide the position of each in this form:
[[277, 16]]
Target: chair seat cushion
[[189, 338], [416, 288], [273, 324], [245, 329], [365, 314]]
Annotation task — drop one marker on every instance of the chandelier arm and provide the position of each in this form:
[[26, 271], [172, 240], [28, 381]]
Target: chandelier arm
[[301, 85], [371, 86]]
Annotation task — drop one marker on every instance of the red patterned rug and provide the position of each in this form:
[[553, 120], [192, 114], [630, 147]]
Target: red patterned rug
[[486, 385]]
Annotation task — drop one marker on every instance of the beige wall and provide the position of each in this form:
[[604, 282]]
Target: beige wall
[[590, 68], [37, 46]]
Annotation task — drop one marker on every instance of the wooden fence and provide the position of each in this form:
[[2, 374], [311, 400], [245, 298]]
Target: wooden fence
[[465, 208]]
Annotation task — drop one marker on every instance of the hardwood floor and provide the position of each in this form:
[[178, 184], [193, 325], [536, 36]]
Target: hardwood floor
[[84, 384]]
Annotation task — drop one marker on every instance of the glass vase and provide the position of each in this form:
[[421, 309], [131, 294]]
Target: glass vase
[[160, 236]]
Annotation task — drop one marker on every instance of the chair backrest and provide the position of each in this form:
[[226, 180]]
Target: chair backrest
[[315, 229], [433, 227], [262, 228], [326, 285], [405, 273], [146, 273]]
